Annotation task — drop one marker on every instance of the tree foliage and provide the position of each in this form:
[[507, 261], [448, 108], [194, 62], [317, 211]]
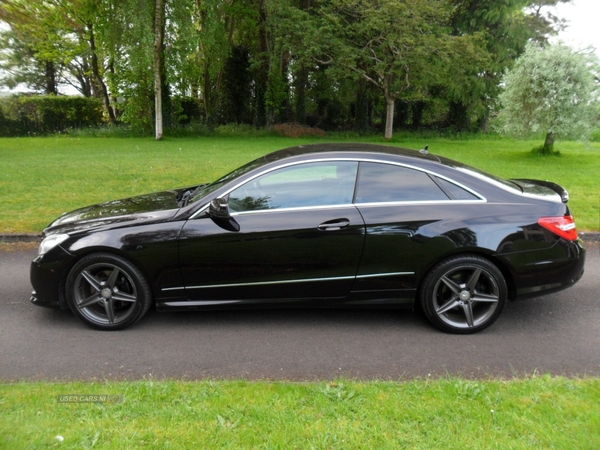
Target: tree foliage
[[553, 90], [396, 45], [505, 28], [330, 63]]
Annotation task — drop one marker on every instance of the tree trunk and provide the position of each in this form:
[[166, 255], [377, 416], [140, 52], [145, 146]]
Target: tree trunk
[[50, 76], [206, 91], [159, 31], [301, 80], [389, 117], [548, 147], [262, 116], [99, 82], [389, 106]]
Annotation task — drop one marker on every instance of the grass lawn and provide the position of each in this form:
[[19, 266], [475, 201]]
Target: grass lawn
[[537, 413], [40, 178]]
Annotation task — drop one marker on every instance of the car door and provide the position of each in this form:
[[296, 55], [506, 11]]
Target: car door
[[299, 237], [400, 206]]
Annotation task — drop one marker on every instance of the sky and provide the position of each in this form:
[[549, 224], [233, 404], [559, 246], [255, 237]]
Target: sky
[[583, 26]]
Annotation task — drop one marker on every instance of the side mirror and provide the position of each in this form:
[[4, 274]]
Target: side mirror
[[218, 210]]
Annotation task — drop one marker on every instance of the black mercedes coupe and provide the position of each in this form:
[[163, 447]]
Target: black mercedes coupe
[[325, 225]]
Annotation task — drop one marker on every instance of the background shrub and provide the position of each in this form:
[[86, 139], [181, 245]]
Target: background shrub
[[43, 114], [295, 130]]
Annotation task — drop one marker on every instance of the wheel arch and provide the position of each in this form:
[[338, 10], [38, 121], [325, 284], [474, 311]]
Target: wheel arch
[[87, 251], [112, 295], [492, 258]]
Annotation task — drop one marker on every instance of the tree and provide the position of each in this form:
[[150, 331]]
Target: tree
[[37, 48], [506, 27], [20, 64], [59, 39], [158, 66], [237, 87], [396, 45], [322, 62], [552, 90]]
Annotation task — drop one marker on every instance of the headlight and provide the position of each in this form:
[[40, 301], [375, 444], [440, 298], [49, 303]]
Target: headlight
[[50, 242]]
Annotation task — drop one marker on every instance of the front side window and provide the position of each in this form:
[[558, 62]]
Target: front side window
[[382, 183], [301, 185]]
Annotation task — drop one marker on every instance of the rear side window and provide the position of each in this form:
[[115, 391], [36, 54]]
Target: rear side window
[[378, 182], [455, 191]]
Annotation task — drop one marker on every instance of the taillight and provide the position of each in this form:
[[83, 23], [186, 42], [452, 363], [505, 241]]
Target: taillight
[[563, 226]]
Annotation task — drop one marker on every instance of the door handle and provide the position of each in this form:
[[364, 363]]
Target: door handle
[[334, 225]]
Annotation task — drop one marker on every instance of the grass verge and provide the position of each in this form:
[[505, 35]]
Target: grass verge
[[40, 178], [540, 412]]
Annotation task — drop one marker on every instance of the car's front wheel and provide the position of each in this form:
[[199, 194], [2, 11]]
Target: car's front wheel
[[107, 292], [463, 294]]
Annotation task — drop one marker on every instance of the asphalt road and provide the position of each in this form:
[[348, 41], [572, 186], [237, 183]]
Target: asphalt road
[[557, 334]]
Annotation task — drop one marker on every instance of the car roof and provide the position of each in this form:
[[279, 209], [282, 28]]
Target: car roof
[[422, 159], [341, 148]]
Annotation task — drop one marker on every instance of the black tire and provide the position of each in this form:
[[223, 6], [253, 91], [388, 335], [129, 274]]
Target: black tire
[[463, 294], [107, 292]]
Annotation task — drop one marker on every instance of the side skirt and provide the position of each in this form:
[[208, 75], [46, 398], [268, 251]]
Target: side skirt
[[363, 299]]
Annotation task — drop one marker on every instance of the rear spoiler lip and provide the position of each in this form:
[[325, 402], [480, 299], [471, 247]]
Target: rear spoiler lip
[[564, 194]]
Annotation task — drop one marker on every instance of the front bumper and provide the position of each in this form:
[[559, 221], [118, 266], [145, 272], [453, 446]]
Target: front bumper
[[47, 274], [46, 302]]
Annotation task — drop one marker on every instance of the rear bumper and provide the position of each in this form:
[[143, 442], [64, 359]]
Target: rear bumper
[[560, 268]]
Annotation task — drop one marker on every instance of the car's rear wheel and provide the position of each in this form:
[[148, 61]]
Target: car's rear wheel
[[463, 294], [107, 292]]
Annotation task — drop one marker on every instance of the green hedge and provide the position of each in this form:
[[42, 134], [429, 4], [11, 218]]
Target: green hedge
[[43, 114]]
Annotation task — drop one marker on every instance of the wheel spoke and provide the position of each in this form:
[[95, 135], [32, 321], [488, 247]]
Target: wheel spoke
[[112, 279], [487, 298], [473, 279], [91, 300], [468, 310], [452, 285], [91, 279], [110, 311], [124, 297], [451, 304]]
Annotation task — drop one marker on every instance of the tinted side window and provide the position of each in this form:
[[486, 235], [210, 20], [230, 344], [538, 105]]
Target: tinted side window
[[301, 185], [455, 191], [388, 183]]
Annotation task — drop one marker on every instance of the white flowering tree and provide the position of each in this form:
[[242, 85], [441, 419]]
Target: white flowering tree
[[551, 90]]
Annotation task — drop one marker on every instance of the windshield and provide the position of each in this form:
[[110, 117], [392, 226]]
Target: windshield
[[212, 187]]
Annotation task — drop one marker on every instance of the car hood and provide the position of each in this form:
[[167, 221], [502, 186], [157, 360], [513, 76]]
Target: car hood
[[149, 207]]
